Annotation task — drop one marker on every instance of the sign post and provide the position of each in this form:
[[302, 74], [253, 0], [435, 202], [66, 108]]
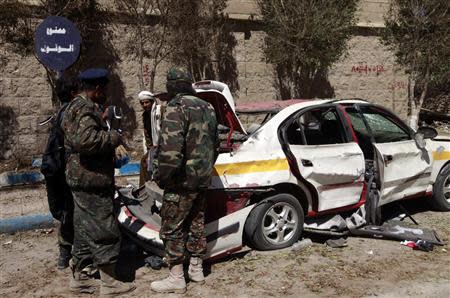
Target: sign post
[[57, 43]]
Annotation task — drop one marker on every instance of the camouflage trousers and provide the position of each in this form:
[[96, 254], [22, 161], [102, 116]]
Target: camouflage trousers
[[96, 231], [183, 225], [65, 231]]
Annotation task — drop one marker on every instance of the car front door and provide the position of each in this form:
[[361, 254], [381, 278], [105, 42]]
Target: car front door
[[326, 156], [404, 168]]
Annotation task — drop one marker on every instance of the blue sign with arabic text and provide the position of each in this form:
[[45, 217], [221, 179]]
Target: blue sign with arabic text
[[57, 43]]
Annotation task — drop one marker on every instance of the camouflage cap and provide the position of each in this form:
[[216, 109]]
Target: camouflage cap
[[179, 74]]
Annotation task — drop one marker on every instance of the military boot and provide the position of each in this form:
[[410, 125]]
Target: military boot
[[64, 256], [82, 283], [195, 271], [110, 286], [174, 283]]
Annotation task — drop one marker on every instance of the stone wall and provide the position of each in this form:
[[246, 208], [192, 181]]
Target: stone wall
[[367, 71]]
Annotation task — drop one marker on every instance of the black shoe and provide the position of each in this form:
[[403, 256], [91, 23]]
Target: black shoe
[[64, 256]]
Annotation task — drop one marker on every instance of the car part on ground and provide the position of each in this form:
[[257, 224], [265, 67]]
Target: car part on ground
[[275, 223]]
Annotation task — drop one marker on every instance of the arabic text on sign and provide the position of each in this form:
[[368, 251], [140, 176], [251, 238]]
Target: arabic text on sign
[[57, 49], [56, 30]]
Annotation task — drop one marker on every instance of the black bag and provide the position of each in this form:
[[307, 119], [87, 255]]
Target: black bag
[[53, 168], [54, 158]]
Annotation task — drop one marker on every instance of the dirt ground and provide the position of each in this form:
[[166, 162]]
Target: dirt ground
[[366, 268]]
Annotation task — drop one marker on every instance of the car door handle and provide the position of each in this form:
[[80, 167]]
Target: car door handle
[[347, 154], [307, 163], [388, 159]]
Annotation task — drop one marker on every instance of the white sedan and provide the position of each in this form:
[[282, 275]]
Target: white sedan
[[307, 159]]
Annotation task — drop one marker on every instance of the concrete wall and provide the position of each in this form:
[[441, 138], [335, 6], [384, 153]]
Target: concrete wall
[[367, 71]]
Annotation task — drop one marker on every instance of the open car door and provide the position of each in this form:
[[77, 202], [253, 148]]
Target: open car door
[[404, 169], [326, 156]]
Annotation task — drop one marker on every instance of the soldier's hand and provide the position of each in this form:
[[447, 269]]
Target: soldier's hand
[[105, 114], [121, 152]]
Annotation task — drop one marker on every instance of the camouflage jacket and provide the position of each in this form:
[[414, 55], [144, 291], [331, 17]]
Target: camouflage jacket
[[188, 144], [90, 144]]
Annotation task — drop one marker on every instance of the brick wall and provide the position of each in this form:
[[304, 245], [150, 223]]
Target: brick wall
[[367, 71]]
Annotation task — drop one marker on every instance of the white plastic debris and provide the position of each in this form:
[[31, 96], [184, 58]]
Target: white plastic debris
[[299, 245]]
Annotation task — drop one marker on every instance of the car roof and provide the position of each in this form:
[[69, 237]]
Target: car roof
[[273, 106]]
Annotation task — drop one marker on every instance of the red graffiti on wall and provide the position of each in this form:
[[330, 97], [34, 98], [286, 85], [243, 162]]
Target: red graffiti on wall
[[146, 74], [397, 85], [377, 69]]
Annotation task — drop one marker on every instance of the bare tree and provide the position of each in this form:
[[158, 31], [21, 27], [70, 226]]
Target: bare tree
[[198, 27], [304, 38], [418, 32], [149, 36]]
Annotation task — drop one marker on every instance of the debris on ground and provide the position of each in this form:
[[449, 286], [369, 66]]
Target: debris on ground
[[419, 245], [7, 242], [336, 243], [155, 262], [299, 245], [396, 230], [44, 231]]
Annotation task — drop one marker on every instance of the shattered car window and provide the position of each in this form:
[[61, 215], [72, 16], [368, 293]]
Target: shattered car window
[[383, 129]]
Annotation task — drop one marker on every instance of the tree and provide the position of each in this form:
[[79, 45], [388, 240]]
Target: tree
[[16, 27], [18, 22], [149, 34], [204, 41], [418, 32], [304, 38]]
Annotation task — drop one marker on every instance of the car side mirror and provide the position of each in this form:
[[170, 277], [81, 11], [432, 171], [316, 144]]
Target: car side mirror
[[419, 138], [427, 132]]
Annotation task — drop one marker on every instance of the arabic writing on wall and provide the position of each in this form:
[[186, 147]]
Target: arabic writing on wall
[[397, 85], [364, 68]]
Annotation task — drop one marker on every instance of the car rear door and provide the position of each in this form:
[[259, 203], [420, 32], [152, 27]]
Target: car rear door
[[404, 168], [326, 156]]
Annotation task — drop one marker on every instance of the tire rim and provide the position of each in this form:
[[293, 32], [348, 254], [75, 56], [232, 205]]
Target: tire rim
[[280, 223], [446, 188]]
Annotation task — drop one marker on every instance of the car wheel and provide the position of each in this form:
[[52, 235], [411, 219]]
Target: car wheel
[[275, 223], [441, 190]]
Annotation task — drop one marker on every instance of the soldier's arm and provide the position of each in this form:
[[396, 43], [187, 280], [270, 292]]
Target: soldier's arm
[[90, 138], [171, 142]]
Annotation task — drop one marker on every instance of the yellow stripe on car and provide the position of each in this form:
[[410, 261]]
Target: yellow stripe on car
[[443, 155], [251, 167]]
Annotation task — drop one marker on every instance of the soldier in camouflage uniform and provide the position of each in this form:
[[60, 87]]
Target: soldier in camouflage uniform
[[90, 175], [186, 155]]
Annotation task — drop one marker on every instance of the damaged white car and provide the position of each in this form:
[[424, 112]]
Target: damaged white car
[[306, 159]]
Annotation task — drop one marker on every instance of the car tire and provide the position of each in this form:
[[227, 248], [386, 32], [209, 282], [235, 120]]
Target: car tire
[[441, 190], [274, 223]]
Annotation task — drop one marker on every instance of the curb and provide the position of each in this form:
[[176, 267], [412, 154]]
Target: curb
[[8, 179], [36, 221], [13, 178], [27, 222]]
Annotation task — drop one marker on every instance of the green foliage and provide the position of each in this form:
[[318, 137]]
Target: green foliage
[[148, 35], [418, 32], [18, 22], [16, 26], [203, 40], [304, 38]]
